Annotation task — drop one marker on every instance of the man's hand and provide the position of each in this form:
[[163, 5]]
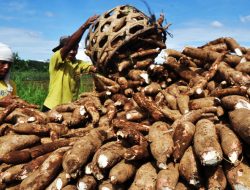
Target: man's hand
[[92, 69], [90, 21]]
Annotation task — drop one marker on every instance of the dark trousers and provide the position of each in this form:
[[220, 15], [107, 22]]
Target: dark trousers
[[44, 108]]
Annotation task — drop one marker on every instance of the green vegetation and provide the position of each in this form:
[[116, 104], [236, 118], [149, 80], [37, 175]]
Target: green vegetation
[[32, 80]]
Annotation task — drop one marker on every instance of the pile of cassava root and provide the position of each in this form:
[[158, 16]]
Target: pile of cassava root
[[183, 124]]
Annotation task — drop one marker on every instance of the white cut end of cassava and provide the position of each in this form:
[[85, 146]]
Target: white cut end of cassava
[[164, 85], [118, 103], [105, 188], [162, 166], [241, 187], [238, 52], [194, 182], [88, 170], [169, 80], [198, 90], [67, 176], [243, 60], [99, 176], [217, 100], [108, 93], [152, 66], [59, 184], [102, 161], [112, 178], [186, 111], [128, 116], [58, 117], [167, 188], [223, 82], [82, 186], [210, 158], [23, 177], [242, 104], [82, 110], [120, 133], [233, 157], [239, 173], [31, 119], [145, 77]]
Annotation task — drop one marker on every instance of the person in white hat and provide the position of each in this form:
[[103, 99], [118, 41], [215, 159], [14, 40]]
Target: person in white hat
[[65, 70], [7, 86]]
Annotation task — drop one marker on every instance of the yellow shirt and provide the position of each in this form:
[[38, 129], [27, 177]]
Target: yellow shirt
[[64, 80], [3, 89]]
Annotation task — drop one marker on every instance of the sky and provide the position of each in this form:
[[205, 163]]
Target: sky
[[32, 28]]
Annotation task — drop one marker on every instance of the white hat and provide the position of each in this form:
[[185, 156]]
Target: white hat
[[5, 53]]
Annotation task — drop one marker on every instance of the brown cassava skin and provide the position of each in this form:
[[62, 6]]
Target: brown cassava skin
[[193, 115], [60, 181], [183, 136], [69, 107], [6, 112], [16, 157], [216, 178], [232, 76], [75, 158], [10, 143], [161, 145], [112, 151], [146, 104], [189, 168], [238, 176], [111, 109], [92, 110], [47, 147], [39, 116], [203, 102], [209, 55], [138, 144], [229, 102], [70, 187], [234, 90], [54, 116], [122, 172], [156, 127], [152, 89], [45, 174], [182, 102], [230, 143], [10, 174], [88, 182], [31, 128], [122, 123], [167, 178], [170, 114], [113, 154], [171, 100], [240, 120], [31, 166], [182, 186], [135, 115], [243, 67], [206, 141], [106, 184], [145, 178]]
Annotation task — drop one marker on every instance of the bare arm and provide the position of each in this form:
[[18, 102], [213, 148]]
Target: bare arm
[[76, 37]]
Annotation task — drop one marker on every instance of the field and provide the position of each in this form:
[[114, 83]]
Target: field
[[32, 86]]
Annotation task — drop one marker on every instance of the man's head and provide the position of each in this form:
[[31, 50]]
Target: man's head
[[6, 59], [62, 42]]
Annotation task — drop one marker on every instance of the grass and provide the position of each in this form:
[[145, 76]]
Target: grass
[[32, 86]]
